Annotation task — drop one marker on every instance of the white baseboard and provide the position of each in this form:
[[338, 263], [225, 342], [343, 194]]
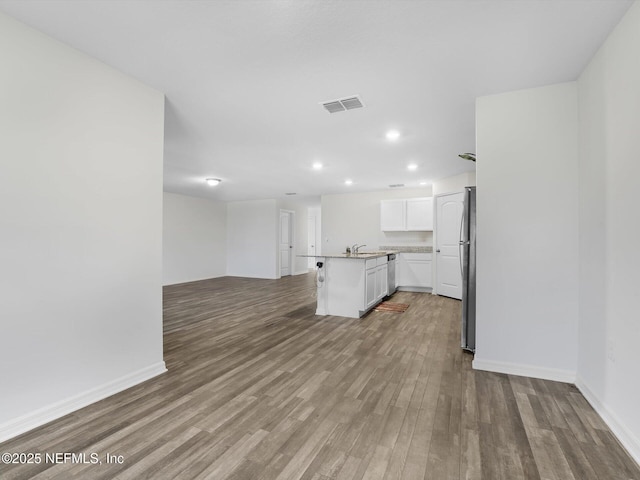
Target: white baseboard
[[253, 275], [59, 409], [557, 375], [627, 439], [415, 289], [191, 280]]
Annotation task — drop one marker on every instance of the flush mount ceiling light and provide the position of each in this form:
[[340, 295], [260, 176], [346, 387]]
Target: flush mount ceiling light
[[212, 182], [317, 166], [468, 156], [423, 183], [412, 167], [348, 182], [392, 135]]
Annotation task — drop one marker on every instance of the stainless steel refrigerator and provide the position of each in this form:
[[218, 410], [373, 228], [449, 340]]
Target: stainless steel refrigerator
[[468, 269]]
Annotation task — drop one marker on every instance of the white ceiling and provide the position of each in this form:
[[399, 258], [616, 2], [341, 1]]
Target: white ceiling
[[243, 79]]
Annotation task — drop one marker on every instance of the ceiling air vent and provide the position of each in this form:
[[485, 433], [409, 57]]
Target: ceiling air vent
[[396, 185], [342, 104]]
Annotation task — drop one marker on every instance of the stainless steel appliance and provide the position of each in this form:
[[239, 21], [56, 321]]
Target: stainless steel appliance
[[468, 269], [391, 273]]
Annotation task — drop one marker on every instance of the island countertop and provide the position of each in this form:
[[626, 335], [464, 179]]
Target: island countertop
[[349, 285]]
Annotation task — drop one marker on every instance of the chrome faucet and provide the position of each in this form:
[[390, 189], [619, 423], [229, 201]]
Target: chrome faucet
[[356, 247]]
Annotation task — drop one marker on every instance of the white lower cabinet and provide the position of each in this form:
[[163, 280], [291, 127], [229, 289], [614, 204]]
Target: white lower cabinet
[[370, 287], [414, 270], [376, 284], [351, 285]]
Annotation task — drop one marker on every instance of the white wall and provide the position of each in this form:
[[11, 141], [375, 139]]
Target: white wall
[[527, 233], [315, 213], [521, 137], [81, 229], [454, 184], [355, 218], [207, 239], [194, 234], [609, 95], [252, 233]]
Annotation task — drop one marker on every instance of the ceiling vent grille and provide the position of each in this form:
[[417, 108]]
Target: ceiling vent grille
[[342, 104], [396, 185]]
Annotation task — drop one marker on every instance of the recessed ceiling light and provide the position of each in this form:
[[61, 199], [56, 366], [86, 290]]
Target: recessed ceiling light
[[348, 182], [393, 135], [212, 182], [423, 183], [317, 166], [412, 166]]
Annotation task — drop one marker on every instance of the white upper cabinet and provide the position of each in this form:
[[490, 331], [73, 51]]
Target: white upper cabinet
[[420, 214], [393, 215], [413, 214]]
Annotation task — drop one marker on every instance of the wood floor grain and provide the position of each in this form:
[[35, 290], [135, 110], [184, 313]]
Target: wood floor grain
[[259, 387]]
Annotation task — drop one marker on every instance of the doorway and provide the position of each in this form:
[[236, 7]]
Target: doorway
[[286, 242], [449, 210], [311, 241]]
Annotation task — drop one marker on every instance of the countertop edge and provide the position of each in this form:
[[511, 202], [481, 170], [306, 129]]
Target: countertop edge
[[358, 256], [386, 249]]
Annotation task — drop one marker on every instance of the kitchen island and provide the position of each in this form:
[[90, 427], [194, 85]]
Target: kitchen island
[[349, 285]]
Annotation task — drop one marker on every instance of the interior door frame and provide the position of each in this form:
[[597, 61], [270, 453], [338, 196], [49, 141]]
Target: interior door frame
[[311, 218], [434, 264], [292, 232]]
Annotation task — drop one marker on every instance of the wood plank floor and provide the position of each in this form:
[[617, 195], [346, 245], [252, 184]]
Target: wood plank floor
[[260, 388]]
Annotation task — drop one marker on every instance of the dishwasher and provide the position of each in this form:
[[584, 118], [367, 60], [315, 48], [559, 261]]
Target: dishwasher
[[391, 273]]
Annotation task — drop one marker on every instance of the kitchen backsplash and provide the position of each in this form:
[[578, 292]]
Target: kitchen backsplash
[[407, 249]]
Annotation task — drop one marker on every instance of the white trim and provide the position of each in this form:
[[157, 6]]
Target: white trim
[[251, 275], [627, 439], [415, 289], [193, 280], [59, 409], [311, 261], [555, 374], [292, 243]]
